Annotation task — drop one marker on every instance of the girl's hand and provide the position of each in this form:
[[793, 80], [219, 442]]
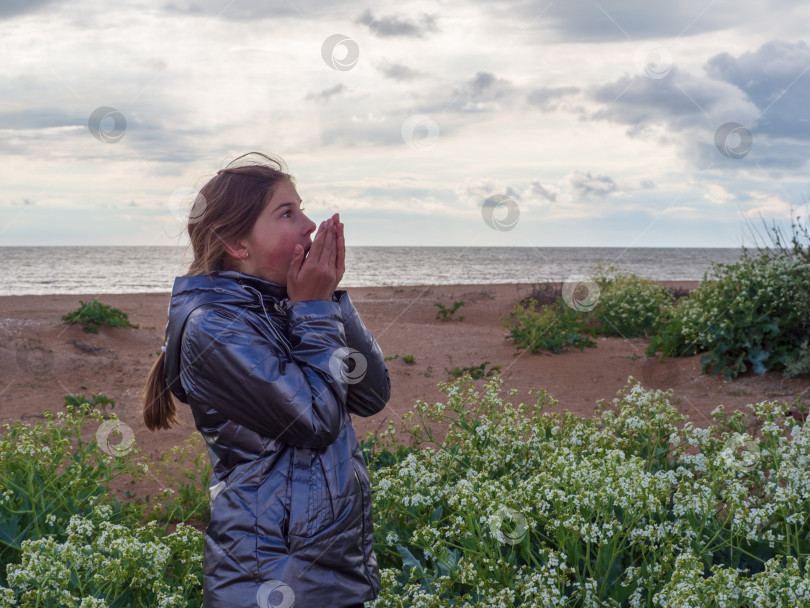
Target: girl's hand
[[341, 248], [340, 258], [316, 276]]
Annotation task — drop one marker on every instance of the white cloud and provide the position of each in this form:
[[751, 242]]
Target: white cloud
[[565, 123]]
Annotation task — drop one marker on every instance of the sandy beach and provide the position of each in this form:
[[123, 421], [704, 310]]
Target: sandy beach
[[43, 359]]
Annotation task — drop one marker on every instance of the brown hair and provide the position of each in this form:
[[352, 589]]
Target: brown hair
[[223, 212]]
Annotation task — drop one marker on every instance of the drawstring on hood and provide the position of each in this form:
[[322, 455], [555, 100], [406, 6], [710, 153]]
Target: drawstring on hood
[[280, 309]]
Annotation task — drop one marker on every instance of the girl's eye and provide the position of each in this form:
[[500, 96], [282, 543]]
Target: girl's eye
[[288, 212]]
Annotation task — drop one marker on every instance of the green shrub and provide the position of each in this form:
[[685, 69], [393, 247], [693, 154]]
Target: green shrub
[[82, 402], [185, 470], [552, 327], [474, 371], [631, 306], [524, 506], [48, 473], [94, 314], [751, 315], [66, 540], [99, 563]]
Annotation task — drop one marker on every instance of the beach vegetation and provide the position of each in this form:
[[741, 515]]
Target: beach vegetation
[[512, 505], [550, 327], [446, 314], [629, 306], [94, 314], [409, 359], [82, 402], [752, 315], [474, 371], [795, 244], [524, 506]]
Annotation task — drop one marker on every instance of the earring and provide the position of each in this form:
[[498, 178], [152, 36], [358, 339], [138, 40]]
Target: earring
[[246, 255]]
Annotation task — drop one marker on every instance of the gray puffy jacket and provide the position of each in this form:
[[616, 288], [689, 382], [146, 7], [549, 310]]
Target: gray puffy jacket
[[270, 387]]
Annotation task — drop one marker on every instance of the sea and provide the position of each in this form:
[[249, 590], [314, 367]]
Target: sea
[[97, 270]]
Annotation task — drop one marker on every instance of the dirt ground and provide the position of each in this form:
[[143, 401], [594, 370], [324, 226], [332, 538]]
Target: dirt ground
[[43, 359]]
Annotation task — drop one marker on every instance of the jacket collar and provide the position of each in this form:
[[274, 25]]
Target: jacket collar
[[223, 287], [267, 288]]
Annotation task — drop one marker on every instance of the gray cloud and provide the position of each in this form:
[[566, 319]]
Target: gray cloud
[[54, 132], [584, 185], [776, 77], [546, 98], [236, 11], [390, 26], [680, 101], [12, 8], [478, 93], [621, 20], [327, 94], [540, 190], [398, 72], [765, 91]]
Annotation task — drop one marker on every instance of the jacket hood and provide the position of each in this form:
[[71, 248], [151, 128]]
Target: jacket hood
[[224, 287]]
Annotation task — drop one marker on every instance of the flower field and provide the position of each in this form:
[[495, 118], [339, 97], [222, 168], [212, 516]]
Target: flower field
[[491, 504]]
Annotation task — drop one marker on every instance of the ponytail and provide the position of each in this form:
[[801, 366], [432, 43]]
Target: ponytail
[[158, 406]]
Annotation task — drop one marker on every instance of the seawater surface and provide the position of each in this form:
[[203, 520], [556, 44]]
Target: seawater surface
[[85, 270]]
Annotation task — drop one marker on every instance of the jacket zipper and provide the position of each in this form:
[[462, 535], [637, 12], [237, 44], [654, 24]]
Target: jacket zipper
[[363, 519]]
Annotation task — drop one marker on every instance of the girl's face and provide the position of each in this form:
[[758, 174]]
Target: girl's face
[[279, 228]]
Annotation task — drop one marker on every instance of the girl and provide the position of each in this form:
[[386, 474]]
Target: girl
[[271, 359]]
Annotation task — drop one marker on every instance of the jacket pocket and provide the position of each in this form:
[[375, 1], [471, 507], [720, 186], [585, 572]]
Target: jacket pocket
[[320, 507]]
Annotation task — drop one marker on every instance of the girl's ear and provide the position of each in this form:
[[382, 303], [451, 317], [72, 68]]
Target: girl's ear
[[238, 251]]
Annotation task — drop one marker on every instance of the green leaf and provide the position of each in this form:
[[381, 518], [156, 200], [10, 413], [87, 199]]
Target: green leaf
[[409, 561]]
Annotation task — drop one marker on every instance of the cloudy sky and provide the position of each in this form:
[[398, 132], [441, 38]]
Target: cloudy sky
[[469, 123]]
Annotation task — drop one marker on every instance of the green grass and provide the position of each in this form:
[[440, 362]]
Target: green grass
[[94, 314], [446, 314]]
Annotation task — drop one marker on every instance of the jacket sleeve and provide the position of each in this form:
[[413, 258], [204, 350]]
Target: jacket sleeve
[[233, 368], [368, 392]]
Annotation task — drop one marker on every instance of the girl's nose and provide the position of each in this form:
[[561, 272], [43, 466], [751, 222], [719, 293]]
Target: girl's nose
[[311, 226]]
